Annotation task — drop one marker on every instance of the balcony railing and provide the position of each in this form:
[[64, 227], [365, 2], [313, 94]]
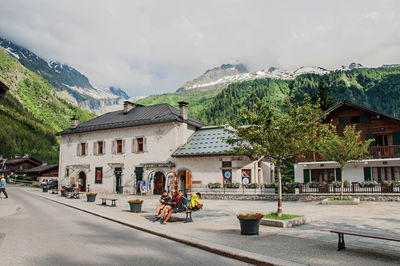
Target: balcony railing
[[374, 152]]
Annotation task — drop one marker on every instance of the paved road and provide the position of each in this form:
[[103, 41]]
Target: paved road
[[46, 233]]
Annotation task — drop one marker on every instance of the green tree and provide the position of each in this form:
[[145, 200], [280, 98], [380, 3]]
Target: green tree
[[342, 148], [274, 134], [322, 96]]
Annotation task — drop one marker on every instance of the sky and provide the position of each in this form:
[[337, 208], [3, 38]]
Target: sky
[[151, 47]]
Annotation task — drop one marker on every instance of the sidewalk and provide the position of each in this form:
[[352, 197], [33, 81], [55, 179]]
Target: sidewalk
[[216, 228]]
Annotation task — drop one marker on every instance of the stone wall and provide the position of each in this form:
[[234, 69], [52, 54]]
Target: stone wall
[[303, 197]]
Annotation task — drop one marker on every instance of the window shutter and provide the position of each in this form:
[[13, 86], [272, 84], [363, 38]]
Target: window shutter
[[86, 148], [370, 136], [94, 148], [113, 147], [78, 149], [144, 144], [338, 174], [367, 173], [133, 145], [306, 175], [123, 146], [104, 147]]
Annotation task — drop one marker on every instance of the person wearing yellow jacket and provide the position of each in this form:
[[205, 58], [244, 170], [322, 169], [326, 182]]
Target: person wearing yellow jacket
[[194, 202]]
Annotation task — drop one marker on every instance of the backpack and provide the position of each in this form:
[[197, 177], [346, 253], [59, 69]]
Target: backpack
[[193, 202]]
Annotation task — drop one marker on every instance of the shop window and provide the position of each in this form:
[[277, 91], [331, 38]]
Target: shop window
[[227, 176], [246, 174], [227, 164], [99, 175], [323, 175]]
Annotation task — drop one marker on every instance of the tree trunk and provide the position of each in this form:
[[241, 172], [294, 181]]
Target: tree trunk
[[279, 212], [342, 185]]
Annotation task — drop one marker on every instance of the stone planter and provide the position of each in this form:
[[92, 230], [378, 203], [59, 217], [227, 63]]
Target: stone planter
[[249, 226], [135, 206], [286, 223], [91, 198], [340, 202], [45, 189]]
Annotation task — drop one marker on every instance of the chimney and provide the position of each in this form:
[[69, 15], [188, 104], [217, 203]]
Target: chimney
[[183, 108], [74, 122], [128, 106]]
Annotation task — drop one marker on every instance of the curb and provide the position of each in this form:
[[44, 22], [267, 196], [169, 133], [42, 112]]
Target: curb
[[215, 250]]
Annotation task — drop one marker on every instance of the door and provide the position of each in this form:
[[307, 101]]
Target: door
[[82, 182], [159, 183], [118, 173]]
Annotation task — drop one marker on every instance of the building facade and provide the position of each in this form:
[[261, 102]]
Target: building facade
[[383, 159]]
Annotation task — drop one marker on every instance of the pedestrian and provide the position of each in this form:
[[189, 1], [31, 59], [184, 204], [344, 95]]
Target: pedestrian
[[3, 186]]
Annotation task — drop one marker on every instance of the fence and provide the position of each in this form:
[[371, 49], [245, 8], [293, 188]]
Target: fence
[[353, 188], [224, 190]]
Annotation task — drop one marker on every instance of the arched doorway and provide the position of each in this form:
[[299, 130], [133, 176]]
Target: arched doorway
[[183, 181], [159, 182], [82, 181]]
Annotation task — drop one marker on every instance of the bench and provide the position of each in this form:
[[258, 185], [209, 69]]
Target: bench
[[113, 202], [73, 195], [54, 191], [362, 233], [188, 212]]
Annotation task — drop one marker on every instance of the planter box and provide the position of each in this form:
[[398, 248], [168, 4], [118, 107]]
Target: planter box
[[341, 202], [249, 227], [45, 189], [135, 207], [91, 198], [286, 223]]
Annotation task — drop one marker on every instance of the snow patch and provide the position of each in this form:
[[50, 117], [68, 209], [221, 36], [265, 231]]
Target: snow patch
[[9, 50]]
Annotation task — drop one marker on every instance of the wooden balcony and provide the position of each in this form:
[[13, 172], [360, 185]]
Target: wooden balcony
[[374, 152]]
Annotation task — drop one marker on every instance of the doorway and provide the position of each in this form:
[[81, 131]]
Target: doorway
[[159, 182], [118, 173], [82, 182]]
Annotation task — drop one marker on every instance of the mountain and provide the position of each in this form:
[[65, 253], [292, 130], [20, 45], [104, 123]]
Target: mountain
[[69, 83], [31, 112], [377, 88]]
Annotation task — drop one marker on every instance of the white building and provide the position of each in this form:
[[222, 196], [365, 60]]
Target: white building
[[111, 153]]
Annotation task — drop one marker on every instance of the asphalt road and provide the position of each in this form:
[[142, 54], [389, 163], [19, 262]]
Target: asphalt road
[[46, 233]]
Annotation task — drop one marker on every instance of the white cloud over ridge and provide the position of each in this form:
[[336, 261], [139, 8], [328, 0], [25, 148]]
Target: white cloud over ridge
[[151, 47]]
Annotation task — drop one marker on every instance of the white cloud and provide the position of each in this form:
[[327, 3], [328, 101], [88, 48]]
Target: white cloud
[[155, 46]]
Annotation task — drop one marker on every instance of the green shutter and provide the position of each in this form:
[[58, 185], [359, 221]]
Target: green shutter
[[367, 173], [396, 138], [364, 119], [370, 136], [306, 174], [343, 120], [338, 174]]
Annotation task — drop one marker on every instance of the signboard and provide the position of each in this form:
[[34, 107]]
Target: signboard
[[245, 180]]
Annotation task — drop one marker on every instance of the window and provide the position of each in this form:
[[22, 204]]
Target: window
[[365, 119], [355, 119], [343, 120], [323, 175], [383, 140], [246, 176], [98, 175], [227, 164], [139, 145], [100, 147], [67, 171], [119, 146], [82, 149]]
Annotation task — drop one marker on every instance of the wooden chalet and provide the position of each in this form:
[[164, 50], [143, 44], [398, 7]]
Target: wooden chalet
[[19, 165], [3, 90]]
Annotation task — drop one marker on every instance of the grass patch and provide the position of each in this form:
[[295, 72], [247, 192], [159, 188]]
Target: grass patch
[[272, 215], [338, 199]]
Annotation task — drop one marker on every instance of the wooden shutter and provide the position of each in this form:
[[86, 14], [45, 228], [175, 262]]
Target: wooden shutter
[[86, 148], [113, 147], [78, 149], [133, 145], [123, 146], [306, 175], [144, 144], [95, 148], [338, 174], [188, 181], [367, 173], [370, 136]]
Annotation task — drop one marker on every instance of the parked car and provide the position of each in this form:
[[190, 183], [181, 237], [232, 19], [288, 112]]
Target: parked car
[[44, 182], [52, 184]]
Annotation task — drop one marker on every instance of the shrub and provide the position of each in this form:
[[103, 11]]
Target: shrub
[[252, 185], [271, 185], [135, 201], [214, 185], [233, 185], [91, 193], [250, 216]]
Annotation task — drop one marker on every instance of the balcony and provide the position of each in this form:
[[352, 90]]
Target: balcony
[[374, 152]]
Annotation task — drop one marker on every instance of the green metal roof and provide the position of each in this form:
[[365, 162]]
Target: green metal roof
[[205, 142]]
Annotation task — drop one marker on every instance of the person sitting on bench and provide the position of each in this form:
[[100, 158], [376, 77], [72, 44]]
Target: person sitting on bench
[[163, 201], [194, 202], [168, 205], [180, 207]]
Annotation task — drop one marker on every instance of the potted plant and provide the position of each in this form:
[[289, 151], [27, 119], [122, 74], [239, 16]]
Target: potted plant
[[45, 189], [249, 223], [91, 196], [135, 205], [214, 185], [252, 185], [233, 185]]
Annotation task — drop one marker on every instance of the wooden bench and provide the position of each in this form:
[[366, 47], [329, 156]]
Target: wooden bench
[[113, 201], [362, 233]]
